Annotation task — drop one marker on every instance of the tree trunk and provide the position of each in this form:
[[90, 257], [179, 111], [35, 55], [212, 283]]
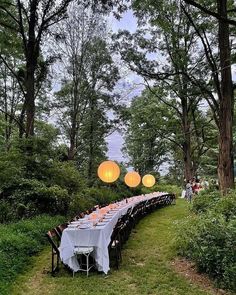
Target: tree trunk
[[226, 106], [187, 160], [91, 140], [7, 136], [31, 54], [30, 100], [187, 138], [71, 152]]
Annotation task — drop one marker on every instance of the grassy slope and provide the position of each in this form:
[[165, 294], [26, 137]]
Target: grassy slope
[[145, 268]]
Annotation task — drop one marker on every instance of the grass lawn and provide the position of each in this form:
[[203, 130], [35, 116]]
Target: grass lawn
[[146, 267]]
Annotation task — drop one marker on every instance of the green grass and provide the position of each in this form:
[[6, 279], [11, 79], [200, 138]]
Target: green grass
[[146, 267], [19, 241]]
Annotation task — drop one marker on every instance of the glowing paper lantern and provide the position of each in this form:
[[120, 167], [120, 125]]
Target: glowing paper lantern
[[108, 171], [132, 179], [148, 180]]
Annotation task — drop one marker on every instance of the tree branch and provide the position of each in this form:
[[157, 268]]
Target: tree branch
[[209, 12]]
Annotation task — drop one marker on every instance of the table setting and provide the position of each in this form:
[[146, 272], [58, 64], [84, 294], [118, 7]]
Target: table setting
[[95, 230]]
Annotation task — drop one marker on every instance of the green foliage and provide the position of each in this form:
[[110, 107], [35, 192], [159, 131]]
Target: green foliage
[[205, 201], [209, 238], [30, 197], [19, 241], [145, 141], [65, 175], [90, 197], [79, 203]]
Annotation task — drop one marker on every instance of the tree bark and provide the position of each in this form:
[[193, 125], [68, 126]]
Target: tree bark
[[91, 139], [30, 99], [187, 156], [72, 148], [226, 105]]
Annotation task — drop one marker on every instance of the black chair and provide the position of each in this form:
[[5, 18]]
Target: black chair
[[53, 239], [59, 229], [115, 244]]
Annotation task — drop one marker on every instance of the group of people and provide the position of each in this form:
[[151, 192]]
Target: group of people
[[193, 187]]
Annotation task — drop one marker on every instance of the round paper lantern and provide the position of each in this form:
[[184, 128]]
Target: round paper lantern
[[132, 179], [108, 171], [148, 180]]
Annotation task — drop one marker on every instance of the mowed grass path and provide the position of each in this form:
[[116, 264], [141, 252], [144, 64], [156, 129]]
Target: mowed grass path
[[146, 267]]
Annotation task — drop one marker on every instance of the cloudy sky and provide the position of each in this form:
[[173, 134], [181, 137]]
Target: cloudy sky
[[131, 82]]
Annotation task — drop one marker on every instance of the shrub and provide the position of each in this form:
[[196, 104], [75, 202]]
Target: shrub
[[79, 203], [19, 241], [30, 197], [65, 175], [102, 195], [209, 238], [210, 243], [90, 197], [226, 206], [205, 201]]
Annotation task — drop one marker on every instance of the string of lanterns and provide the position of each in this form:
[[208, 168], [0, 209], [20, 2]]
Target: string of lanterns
[[109, 171]]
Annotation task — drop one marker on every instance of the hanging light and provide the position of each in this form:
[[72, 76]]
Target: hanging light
[[108, 171], [148, 180], [132, 179]]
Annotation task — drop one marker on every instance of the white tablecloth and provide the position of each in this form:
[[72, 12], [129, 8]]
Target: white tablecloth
[[97, 237]]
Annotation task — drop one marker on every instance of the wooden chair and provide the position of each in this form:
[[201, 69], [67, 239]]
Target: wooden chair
[[60, 228], [53, 239], [115, 244]]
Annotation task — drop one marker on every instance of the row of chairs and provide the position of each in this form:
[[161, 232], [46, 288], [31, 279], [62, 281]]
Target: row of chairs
[[119, 235], [127, 222]]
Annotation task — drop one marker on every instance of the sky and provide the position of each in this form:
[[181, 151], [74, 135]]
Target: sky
[[115, 141]]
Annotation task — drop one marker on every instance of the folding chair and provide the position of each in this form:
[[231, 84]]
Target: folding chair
[[83, 251]]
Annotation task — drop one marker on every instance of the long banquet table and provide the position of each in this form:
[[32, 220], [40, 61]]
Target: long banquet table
[[89, 232]]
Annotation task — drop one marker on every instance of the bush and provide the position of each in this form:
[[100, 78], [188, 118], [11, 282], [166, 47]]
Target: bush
[[31, 197], [210, 243], [226, 206], [205, 201], [90, 197], [80, 203], [209, 238], [19, 241], [65, 175]]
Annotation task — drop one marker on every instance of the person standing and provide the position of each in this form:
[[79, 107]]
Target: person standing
[[189, 192]]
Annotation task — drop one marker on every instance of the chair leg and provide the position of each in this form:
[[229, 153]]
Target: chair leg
[[58, 262], [53, 268], [87, 263]]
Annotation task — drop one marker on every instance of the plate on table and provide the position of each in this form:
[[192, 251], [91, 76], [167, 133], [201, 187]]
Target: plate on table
[[101, 224], [85, 225], [75, 222], [108, 217], [72, 225], [106, 220]]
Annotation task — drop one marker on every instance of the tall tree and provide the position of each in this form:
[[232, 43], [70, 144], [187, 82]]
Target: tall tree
[[78, 31], [31, 20], [169, 34], [147, 140], [222, 105], [86, 92]]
